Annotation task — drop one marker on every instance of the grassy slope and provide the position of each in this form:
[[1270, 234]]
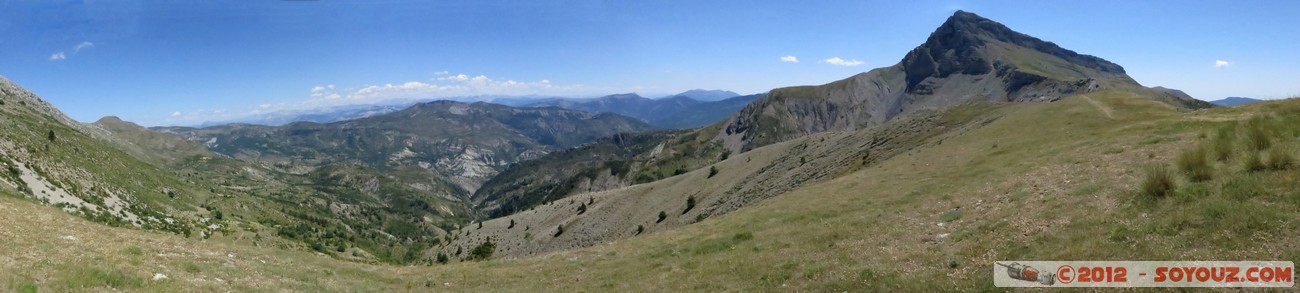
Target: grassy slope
[[1046, 181]]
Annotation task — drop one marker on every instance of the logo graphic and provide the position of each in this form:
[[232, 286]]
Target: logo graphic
[[1021, 272], [1275, 274]]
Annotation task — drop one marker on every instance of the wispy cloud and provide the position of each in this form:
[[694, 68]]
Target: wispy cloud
[[444, 72], [1222, 63], [790, 59], [842, 62], [83, 45], [62, 55], [463, 87]]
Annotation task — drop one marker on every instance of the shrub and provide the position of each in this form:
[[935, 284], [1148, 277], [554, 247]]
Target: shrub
[[1194, 164], [442, 258], [1280, 158], [51, 135], [639, 229], [1158, 183], [512, 224], [559, 230], [582, 208], [690, 204], [662, 216], [713, 170], [482, 251]]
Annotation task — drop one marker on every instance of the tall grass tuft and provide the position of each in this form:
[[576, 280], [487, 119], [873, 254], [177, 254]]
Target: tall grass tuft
[[1257, 134], [1158, 182], [1223, 142], [1280, 158], [1194, 164], [1253, 163]]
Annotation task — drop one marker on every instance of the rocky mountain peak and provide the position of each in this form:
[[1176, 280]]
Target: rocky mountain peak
[[960, 46]]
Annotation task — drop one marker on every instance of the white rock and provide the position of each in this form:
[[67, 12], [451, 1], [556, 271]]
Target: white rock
[[69, 238], [159, 276]]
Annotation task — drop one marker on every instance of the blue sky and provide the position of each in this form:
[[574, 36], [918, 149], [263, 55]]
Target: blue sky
[[185, 62]]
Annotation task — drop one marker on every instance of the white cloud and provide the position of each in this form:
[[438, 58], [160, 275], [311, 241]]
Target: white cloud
[[58, 56], [463, 87], [83, 45], [176, 114], [790, 59], [444, 72], [1222, 63], [458, 77], [842, 62]]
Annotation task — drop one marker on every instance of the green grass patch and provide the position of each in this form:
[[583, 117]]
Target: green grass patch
[[99, 277], [950, 216], [26, 288], [1243, 188]]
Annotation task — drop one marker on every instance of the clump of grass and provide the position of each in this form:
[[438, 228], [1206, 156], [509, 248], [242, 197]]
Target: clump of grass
[[1158, 183], [1253, 163], [1223, 142], [1256, 134], [1280, 158], [1193, 163]]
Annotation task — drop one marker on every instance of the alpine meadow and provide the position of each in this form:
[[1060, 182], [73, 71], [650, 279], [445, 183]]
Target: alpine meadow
[[977, 156]]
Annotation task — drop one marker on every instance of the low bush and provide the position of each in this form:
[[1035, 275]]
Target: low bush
[[482, 251]]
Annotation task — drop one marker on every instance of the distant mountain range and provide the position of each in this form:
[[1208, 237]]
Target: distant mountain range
[[688, 109], [677, 111], [1233, 101], [450, 147]]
